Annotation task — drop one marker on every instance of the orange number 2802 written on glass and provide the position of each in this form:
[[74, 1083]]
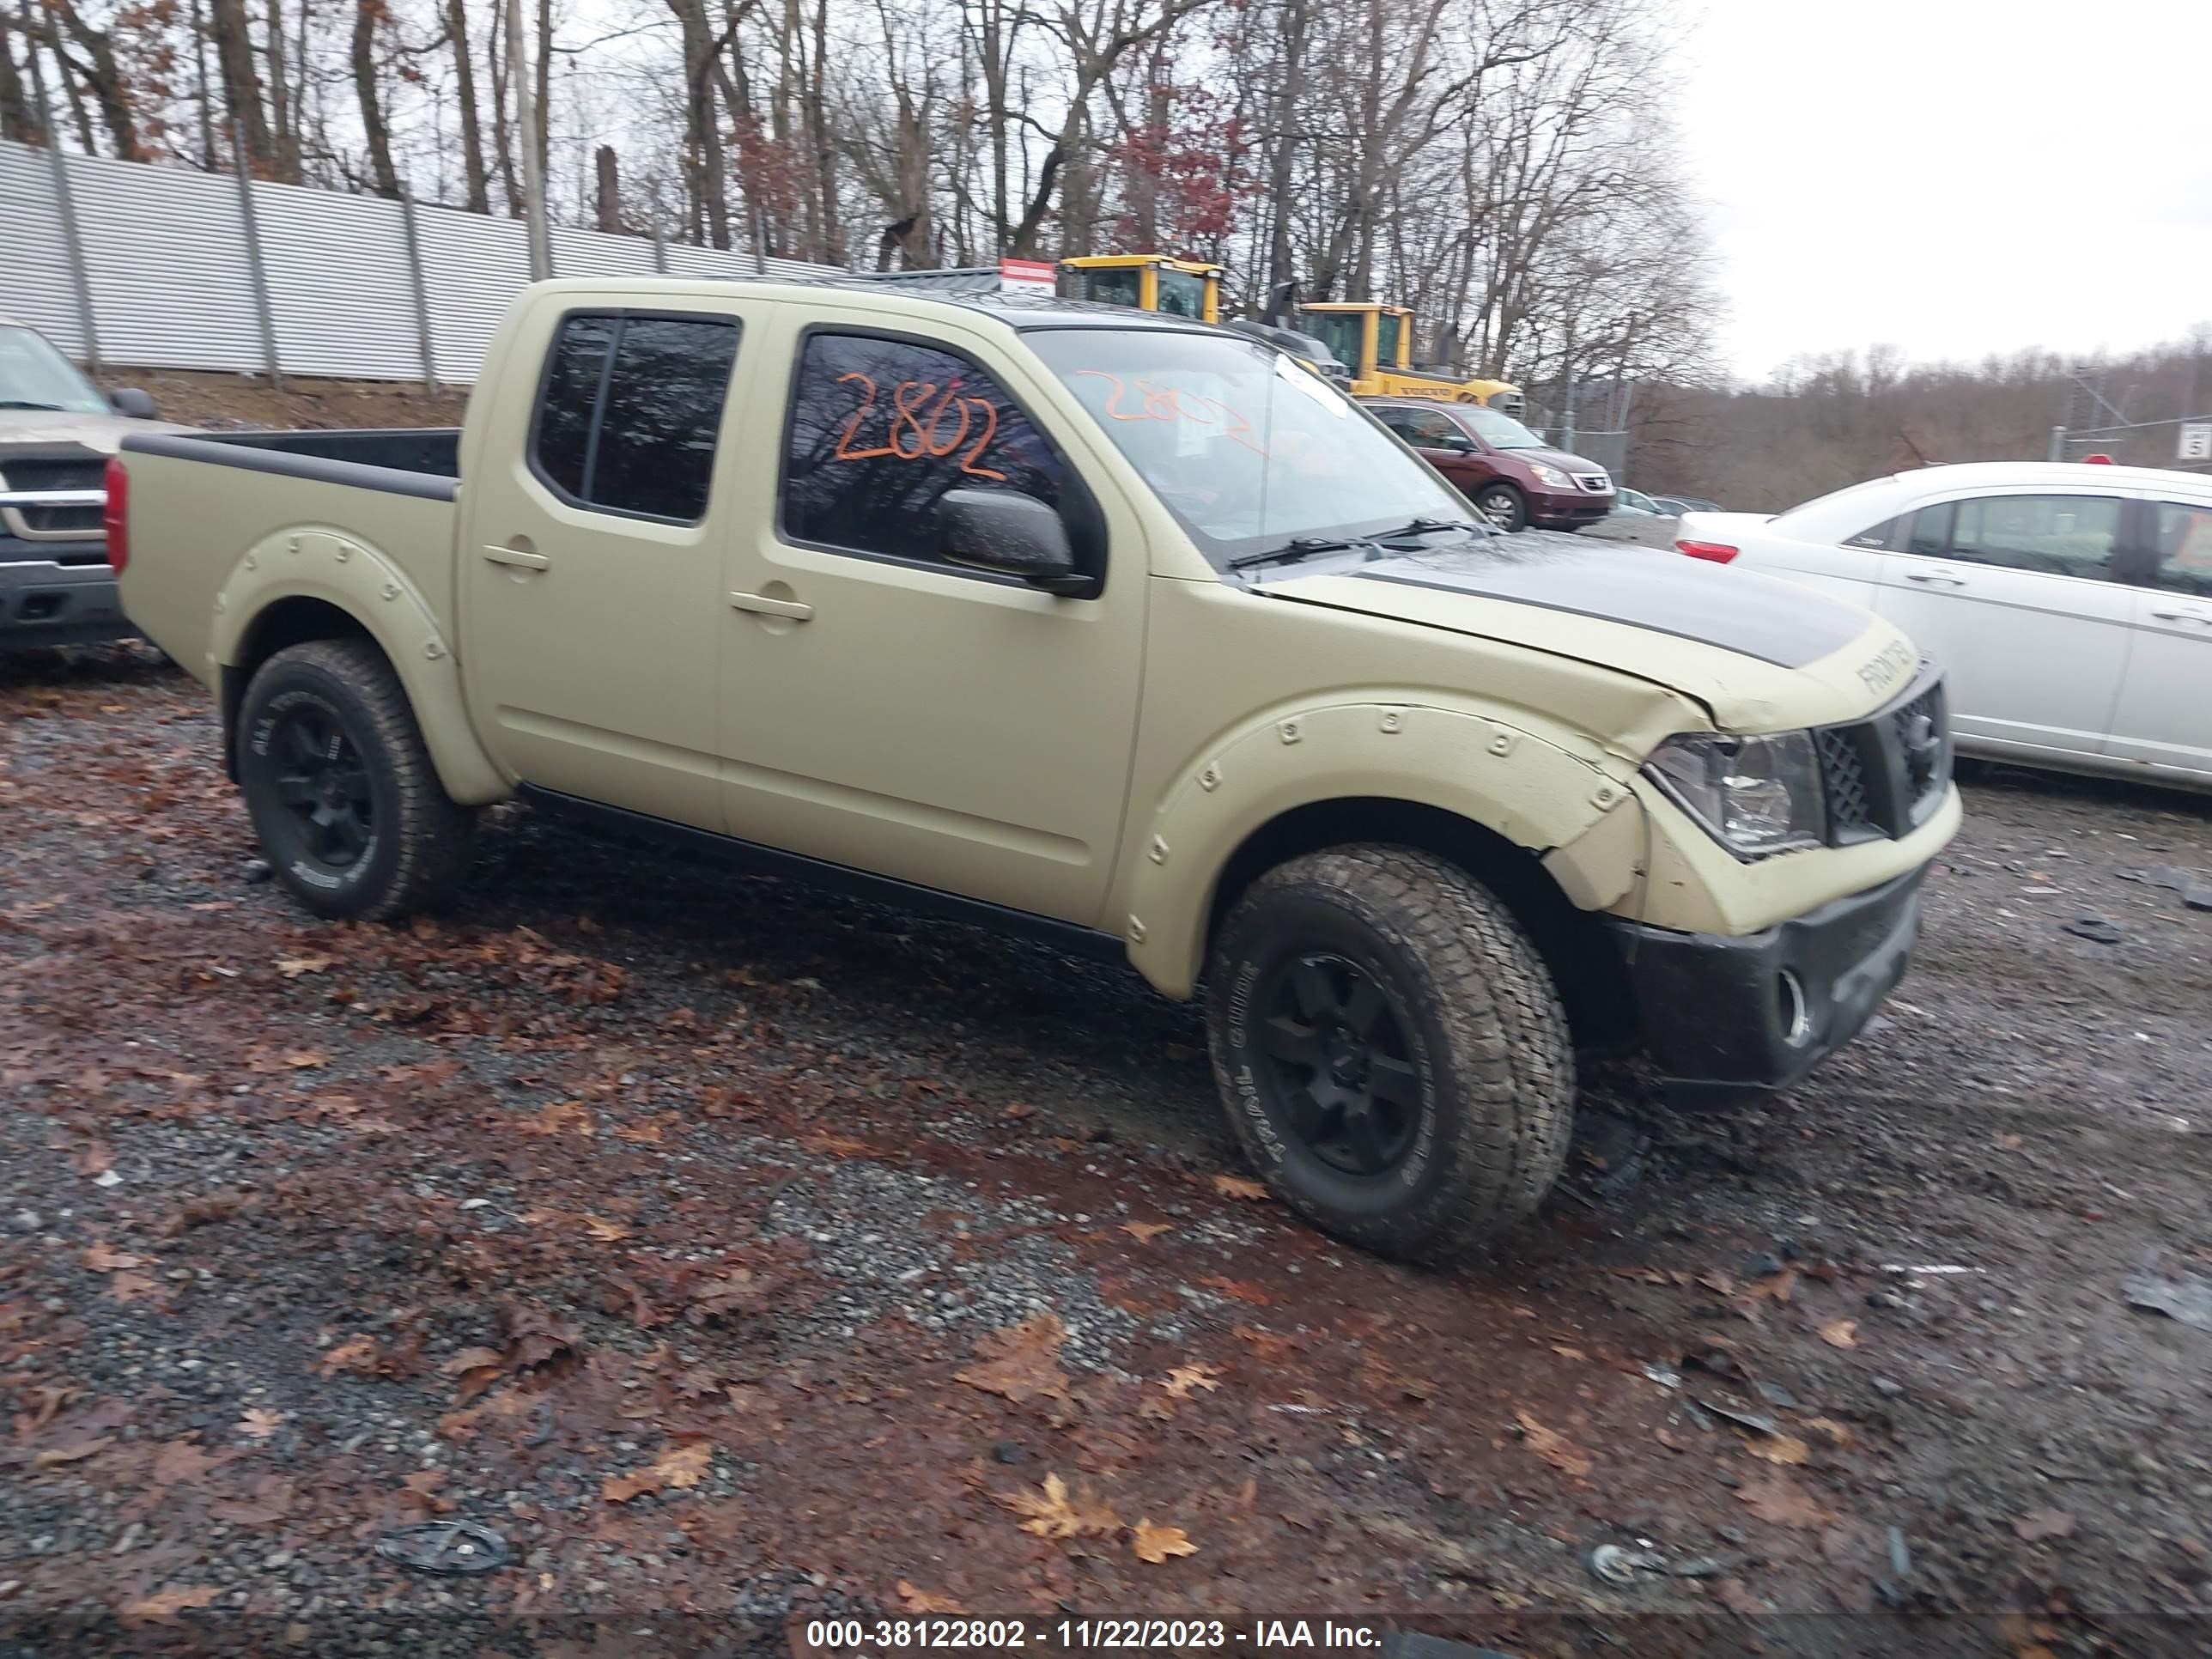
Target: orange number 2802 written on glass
[[912, 437]]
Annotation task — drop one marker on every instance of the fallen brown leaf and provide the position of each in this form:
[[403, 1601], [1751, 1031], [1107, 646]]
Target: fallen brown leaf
[[2038, 1524], [1157, 1544], [562, 1117], [1784, 1503], [258, 1423], [97, 1159], [1553, 1447], [1234, 1186], [180, 1463], [681, 1467], [163, 1606], [1021, 1362], [105, 1259], [1841, 1332], [1183, 1378], [131, 1287], [1054, 1514], [1780, 1448], [922, 1601], [307, 1059], [422, 1486], [359, 1354], [293, 967], [1146, 1231], [76, 1452], [1828, 1425], [605, 1231]]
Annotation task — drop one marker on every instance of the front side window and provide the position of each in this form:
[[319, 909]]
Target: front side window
[[1339, 331], [1431, 429], [630, 409], [2057, 535], [2183, 538], [1182, 295], [33, 375], [1113, 285], [1389, 330], [1499, 430], [881, 429], [1248, 450]]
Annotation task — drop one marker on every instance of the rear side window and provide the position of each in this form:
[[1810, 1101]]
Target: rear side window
[[2183, 541], [1882, 536], [629, 411], [2061, 535], [881, 429]]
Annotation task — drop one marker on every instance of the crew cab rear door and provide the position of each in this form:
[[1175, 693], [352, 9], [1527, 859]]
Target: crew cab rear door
[[590, 548], [884, 709]]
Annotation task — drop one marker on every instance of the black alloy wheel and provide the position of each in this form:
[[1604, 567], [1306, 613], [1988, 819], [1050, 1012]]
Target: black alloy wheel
[[322, 782], [1335, 1040]]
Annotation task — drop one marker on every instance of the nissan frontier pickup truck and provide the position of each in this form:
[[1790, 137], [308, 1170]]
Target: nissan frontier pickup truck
[[1119, 629]]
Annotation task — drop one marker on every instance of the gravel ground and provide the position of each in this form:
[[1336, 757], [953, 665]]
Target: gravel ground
[[740, 1255]]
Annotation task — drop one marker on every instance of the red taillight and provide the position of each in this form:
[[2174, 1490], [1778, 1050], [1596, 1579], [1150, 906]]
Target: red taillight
[[115, 518], [1718, 552]]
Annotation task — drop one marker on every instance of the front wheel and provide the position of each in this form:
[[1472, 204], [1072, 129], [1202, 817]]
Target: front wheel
[[1390, 1049], [1503, 505], [340, 787]]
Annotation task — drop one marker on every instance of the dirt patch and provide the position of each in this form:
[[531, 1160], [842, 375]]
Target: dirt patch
[[245, 402], [739, 1255]]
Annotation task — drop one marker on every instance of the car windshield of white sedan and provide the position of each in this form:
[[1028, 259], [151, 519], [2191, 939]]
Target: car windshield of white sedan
[[33, 375], [1250, 452], [1499, 431]]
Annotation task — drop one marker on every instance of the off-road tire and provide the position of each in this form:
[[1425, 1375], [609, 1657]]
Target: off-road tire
[[1496, 1069], [1510, 512], [417, 837]]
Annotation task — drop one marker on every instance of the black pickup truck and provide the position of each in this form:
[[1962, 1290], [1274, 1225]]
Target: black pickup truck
[[57, 431]]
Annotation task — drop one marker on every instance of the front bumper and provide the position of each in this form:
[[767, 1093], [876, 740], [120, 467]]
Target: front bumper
[[1552, 508], [45, 603], [1723, 1014]]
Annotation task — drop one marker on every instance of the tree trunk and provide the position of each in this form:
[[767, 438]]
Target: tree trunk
[[464, 93], [1282, 165], [704, 161], [609, 192], [285, 133], [367, 13], [99, 71], [241, 84], [18, 120], [502, 130]]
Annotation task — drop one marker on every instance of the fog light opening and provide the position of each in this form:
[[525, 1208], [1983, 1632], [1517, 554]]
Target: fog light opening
[[1790, 1004]]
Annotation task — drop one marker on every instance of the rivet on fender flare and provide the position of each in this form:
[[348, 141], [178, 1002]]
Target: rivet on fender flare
[[1159, 850], [392, 590], [253, 563], [1390, 721], [1290, 731], [433, 650], [1210, 778], [293, 545], [345, 552], [1606, 798], [1502, 743], [1136, 930], [220, 603]]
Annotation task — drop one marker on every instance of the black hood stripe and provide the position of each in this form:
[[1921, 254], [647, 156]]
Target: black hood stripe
[[1737, 610]]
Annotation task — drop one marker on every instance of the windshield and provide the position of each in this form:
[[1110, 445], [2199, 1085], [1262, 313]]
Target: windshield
[[1182, 295], [1248, 450], [1339, 330], [1388, 329], [1498, 431], [1113, 285], [33, 375]]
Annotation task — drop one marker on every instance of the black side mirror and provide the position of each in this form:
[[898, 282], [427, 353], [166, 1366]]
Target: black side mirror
[[1460, 444], [129, 400], [1013, 534]]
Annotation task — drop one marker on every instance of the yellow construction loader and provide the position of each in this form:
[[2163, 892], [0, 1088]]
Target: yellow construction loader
[[1376, 341]]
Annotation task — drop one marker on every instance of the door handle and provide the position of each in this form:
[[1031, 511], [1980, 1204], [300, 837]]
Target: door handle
[[2197, 617], [521, 558], [761, 604], [1932, 576]]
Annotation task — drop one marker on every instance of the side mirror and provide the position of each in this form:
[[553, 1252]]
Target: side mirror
[[1013, 534], [1460, 444], [130, 401]]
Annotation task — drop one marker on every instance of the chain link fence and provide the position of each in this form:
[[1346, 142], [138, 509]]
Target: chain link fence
[[2182, 444]]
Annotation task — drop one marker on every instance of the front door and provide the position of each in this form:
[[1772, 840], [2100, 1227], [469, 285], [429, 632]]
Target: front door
[[886, 708], [2014, 595], [2165, 715], [591, 554]]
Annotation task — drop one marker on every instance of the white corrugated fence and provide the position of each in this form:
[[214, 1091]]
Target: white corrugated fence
[[170, 280]]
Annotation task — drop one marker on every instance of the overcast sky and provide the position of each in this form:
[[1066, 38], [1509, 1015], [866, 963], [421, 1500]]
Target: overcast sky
[[1955, 177]]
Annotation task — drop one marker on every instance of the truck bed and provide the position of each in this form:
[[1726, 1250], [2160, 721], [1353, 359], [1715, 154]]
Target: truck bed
[[200, 502]]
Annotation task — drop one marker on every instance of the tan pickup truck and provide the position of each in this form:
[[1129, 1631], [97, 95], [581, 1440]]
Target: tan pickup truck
[[1119, 629]]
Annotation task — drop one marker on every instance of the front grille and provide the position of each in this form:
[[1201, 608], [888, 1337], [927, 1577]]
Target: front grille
[[41, 473], [1883, 776], [1596, 482]]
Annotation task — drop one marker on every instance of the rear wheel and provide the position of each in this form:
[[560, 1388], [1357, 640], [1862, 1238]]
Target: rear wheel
[[1390, 1049], [340, 787], [1503, 505]]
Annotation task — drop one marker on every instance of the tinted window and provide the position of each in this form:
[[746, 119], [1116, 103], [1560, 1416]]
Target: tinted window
[[1182, 295], [2183, 541], [1387, 330], [1115, 285], [1430, 428], [1931, 531], [630, 411], [881, 429], [2062, 534]]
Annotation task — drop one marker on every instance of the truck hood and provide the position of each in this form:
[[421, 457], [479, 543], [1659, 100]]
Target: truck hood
[[1759, 655], [103, 432]]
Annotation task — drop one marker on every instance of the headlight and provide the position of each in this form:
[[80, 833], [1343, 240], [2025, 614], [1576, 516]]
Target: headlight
[[1551, 475], [1754, 795]]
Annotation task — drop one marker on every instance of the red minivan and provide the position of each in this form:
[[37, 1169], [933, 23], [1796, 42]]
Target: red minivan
[[1513, 476]]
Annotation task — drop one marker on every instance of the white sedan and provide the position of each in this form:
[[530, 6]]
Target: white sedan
[[2070, 603]]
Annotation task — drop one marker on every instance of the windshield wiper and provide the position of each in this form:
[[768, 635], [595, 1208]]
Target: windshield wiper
[[1425, 526], [1299, 547], [17, 403]]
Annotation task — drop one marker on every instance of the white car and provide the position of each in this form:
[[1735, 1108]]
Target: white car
[[2070, 603]]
